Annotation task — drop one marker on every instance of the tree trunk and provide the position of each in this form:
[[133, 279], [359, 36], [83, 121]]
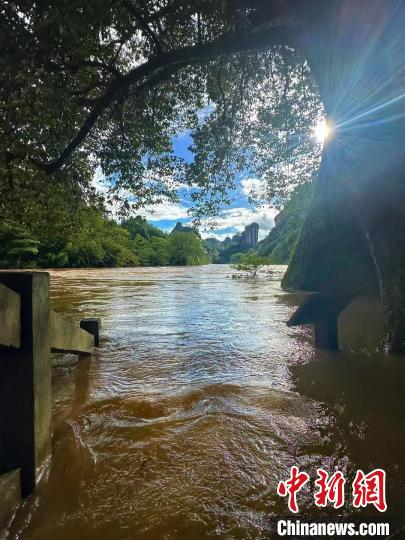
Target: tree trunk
[[393, 299], [387, 240], [354, 237]]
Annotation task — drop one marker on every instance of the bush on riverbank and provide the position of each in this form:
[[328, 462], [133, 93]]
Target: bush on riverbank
[[250, 265]]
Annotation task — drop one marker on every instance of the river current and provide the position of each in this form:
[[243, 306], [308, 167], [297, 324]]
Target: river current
[[198, 401]]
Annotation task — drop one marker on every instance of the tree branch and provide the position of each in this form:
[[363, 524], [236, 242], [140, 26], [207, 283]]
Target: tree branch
[[144, 25], [168, 61], [83, 64]]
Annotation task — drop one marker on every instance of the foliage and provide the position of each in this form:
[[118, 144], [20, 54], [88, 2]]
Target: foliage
[[161, 252], [237, 257], [186, 249], [280, 242], [182, 246], [250, 264], [35, 204], [17, 247], [99, 242], [139, 225], [212, 247], [108, 84], [265, 131]]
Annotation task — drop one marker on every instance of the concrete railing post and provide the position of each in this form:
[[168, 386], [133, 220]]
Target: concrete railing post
[[93, 327], [326, 333], [25, 380]]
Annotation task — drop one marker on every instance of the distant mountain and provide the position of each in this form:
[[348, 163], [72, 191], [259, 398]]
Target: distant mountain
[[184, 228], [223, 252], [278, 245], [280, 242]]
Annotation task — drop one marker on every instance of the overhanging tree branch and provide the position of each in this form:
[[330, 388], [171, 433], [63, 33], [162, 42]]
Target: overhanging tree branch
[[149, 74], [144, 25]]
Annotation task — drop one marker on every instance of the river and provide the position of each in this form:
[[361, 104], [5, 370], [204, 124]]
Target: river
[[197, 403]]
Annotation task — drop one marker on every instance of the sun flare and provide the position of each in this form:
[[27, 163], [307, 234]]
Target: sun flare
[[322, 131]]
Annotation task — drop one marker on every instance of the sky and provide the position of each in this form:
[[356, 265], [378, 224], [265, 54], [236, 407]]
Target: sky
[[233, 219]]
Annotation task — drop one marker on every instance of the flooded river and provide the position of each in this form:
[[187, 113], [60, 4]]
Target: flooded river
[[197, 403]]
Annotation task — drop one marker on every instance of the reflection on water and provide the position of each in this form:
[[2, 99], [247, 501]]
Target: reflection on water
[[196, 404]]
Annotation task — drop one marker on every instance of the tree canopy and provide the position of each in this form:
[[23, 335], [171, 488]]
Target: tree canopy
[[109, 84]]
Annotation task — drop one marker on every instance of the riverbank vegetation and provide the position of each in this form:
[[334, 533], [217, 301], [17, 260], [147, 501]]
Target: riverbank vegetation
[[87, 237], [280, 243], [100, 242]]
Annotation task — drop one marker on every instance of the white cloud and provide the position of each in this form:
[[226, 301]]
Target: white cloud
[[252, 187], [182, 186], [217, 235], [164, 210], [203, 113], [99, 181], [157, 212], [183, 134]]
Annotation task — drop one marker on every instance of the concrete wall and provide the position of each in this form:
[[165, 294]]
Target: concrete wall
[[25, 380]]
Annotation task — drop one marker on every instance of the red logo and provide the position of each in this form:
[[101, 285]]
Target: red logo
[[292, 486], [366, 489], [370, 489], [331, 489]]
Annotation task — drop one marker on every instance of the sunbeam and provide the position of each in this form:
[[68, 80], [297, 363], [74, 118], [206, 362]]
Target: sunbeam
[[322, 131]]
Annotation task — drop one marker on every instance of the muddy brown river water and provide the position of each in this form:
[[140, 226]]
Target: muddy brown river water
[[198, 402]]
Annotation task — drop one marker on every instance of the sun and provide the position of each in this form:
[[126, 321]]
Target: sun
[[322, 131]]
